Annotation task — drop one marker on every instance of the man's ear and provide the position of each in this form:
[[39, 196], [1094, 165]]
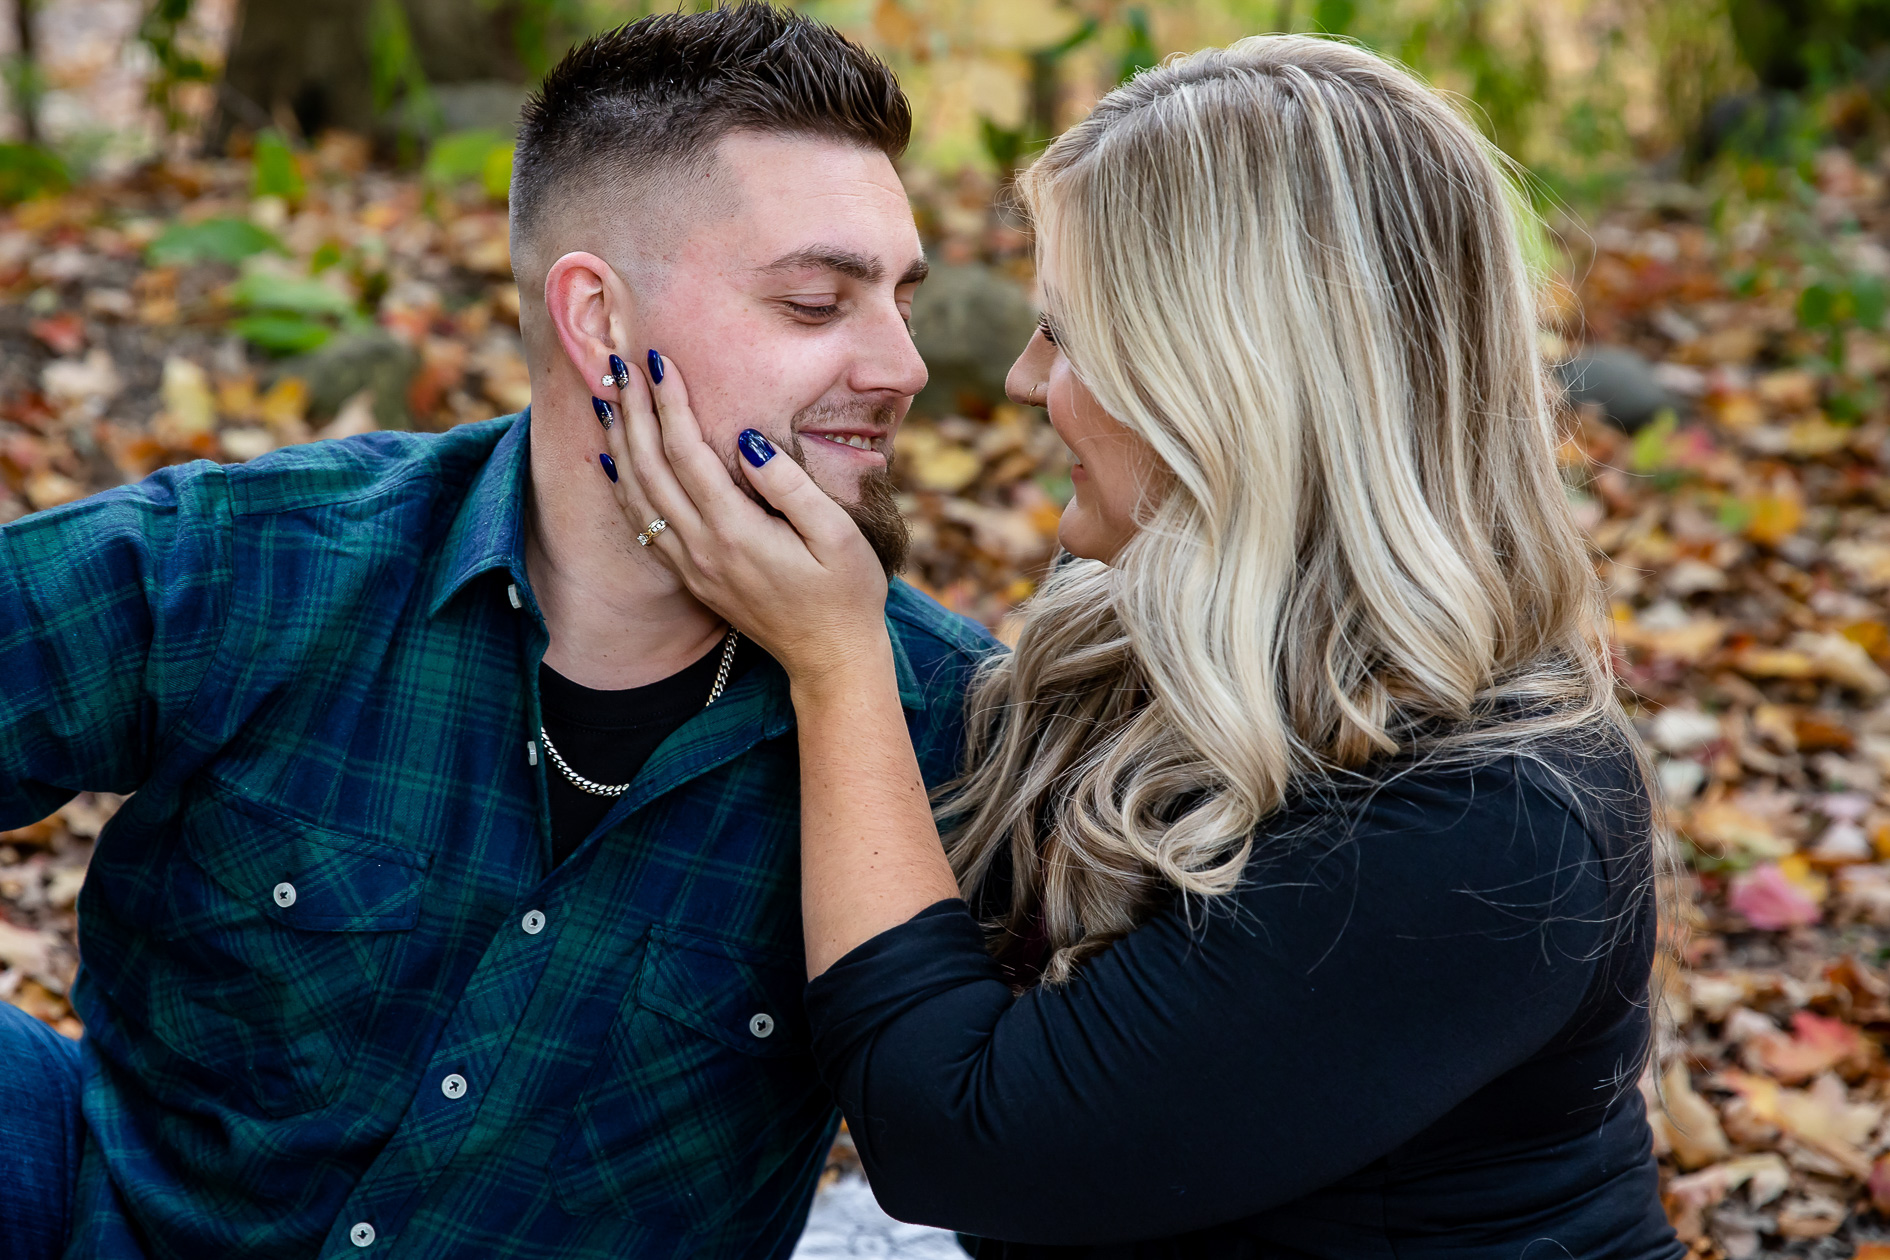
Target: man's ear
[[591, 310]]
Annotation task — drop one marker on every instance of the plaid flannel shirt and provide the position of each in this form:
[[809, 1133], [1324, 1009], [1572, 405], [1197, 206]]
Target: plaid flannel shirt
[[338, 1001]]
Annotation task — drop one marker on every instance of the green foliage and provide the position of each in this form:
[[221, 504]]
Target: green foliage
[[395, 71], [1855, 302], [1734, 514], [1004, 145], [211, 240], [1652, 450], [481, 155], [1594, 159], [27, 171], [1507, 83], [1007, 145], [1833, 308], [276, 174], [1567, 120], [26, 83], [289, 314], [1794, 44], [175, 65], [300, 295], [543, 29], [1770, 141], [282, 334], [326, 255], [1334, 17], [1139, 52]]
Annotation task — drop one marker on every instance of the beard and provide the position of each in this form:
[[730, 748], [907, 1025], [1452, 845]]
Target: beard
[[875, 512]]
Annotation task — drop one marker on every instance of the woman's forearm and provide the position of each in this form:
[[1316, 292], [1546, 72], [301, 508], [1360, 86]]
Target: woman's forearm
[[870, 852]]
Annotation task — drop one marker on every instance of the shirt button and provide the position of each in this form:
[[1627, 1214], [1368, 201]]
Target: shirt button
[[534, 922], [761, 1025], [362, 1235], [284, 893], [511, 594], [454, 1086]]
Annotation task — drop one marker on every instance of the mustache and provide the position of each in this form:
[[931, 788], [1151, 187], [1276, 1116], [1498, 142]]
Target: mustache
[[876, 511], [870, 415]]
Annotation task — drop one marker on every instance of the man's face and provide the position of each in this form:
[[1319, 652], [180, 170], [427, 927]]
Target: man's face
[[789, 314]]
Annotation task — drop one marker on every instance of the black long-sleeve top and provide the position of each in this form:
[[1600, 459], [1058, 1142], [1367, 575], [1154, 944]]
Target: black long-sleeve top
[[1414, 1030]]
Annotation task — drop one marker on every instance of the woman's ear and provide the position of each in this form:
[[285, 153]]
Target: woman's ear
[[592, 311]]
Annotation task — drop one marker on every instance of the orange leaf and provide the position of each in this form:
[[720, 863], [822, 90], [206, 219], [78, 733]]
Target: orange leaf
[[1777, 515]]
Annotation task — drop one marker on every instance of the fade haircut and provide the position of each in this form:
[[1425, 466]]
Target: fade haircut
[[653, 99]]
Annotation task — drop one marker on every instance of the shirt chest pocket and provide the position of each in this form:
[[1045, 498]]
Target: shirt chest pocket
[[703, 1091], [274, 938]]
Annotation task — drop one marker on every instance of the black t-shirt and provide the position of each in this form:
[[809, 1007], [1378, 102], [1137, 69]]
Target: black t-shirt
[[1413, 1031], [606, 736]]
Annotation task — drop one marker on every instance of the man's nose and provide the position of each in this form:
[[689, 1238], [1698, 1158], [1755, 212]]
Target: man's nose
[[889, 361]]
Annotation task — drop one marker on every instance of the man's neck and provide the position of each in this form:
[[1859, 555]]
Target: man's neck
[[617, 617]]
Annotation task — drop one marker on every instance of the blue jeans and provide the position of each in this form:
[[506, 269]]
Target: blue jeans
[[40, 1136]]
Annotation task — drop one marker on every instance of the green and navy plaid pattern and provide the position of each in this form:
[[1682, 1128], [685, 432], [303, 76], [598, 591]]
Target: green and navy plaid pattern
[[338, 1002]]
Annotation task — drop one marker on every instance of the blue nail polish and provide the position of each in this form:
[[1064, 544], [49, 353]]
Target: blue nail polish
[[620, 370], [604, 414], [610, 466], [757, 450], [656, 367]]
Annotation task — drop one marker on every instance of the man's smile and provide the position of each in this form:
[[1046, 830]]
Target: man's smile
[[868, 444]]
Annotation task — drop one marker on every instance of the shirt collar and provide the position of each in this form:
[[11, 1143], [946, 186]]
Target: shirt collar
[[488, 533], [910, 696]]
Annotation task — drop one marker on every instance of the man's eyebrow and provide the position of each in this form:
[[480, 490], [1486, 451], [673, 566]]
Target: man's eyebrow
[[850, 263]]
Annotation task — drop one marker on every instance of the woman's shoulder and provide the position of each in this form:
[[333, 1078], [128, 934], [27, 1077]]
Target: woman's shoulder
[[1508, 868], [1562, 806]]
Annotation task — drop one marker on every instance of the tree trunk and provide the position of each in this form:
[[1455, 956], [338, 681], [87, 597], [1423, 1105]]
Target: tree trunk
[[26, 73], [306, 65]]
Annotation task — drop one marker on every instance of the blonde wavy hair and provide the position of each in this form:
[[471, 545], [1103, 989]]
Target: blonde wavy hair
[[1295, 272]]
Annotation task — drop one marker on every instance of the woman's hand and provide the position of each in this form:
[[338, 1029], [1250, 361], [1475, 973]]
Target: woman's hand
[[808, 589]]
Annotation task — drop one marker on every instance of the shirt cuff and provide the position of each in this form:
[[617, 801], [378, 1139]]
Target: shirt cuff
[[938, 949]]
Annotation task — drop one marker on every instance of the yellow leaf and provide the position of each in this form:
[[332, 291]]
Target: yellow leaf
[[1775, 663], [1822, 1117], [934, 463], [1843, 661], [47, 488], [1815, 436], [1724, 829], [286, 403], [1740, 411], [895, 26], [186, 393], [236, 397], [1796, 869], [1689, 1123], [1776, 516], [1789, 391], [1689, 643]]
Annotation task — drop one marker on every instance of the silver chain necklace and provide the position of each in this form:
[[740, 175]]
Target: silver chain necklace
[[583, 784]]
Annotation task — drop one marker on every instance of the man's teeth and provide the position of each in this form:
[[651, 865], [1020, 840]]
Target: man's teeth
[[854, 440]]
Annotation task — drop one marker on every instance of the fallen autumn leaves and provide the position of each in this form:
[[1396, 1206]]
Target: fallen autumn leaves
[[1744, 540]]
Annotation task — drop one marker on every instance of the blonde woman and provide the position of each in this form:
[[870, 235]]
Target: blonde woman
[[1295, 897]]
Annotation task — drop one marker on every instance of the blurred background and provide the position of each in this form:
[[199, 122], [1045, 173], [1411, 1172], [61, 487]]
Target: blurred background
[[230, 225]]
